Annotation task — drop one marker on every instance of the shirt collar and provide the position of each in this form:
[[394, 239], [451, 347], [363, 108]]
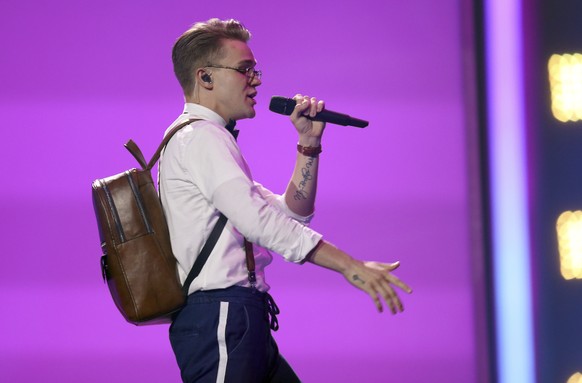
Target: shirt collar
[[202, 112], [198, 111]]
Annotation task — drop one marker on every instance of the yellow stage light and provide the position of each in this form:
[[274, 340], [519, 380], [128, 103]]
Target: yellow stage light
[[569, 228], [565, 72]]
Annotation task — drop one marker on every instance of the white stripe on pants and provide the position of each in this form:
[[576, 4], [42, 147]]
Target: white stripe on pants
[[221, 336]]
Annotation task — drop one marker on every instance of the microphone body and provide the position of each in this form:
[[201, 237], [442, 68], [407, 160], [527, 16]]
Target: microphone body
[[283, 105]]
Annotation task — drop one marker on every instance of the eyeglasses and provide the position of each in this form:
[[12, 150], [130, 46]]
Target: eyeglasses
[[250, 72]]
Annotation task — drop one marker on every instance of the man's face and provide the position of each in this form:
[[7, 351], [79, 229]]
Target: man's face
[[233, 94]]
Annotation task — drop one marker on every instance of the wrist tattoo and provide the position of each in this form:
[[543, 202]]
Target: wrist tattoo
[[356, 278], [307, 176]]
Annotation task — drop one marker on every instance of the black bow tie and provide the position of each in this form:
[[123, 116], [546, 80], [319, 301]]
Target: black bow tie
[[230, 127]]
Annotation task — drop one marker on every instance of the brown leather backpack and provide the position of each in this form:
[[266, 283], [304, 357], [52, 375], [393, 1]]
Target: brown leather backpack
[[137, 263]]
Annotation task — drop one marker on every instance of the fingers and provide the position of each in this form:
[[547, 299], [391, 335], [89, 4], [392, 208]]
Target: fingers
[[392, 279], [320, 105], [389, 296], [307, 106], [301, 105], [380, 284], [376, 286], [376, 300]]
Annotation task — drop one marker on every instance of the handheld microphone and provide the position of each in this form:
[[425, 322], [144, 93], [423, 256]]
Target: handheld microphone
[[283, 105]]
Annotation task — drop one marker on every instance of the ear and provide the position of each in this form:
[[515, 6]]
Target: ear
[[204, 79]]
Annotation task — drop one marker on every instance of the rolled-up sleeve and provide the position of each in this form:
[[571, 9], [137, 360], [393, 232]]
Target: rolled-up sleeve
[[216, 165], [262, 223], [278, 201]]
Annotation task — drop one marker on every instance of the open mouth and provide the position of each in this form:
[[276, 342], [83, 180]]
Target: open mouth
[[252, 98]]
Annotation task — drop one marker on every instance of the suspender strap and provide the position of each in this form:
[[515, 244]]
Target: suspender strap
[[271, 309], [250, 263], [207, 249], [205, 253]]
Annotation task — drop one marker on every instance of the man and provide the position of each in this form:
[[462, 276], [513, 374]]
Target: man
[[223, 332]]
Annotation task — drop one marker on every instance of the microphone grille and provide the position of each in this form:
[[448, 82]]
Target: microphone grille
[[282, 105]]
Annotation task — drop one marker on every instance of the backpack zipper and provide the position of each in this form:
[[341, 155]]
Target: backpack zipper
[[139, 201], [114, 212]]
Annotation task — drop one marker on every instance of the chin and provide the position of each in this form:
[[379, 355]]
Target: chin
[[251, 114]]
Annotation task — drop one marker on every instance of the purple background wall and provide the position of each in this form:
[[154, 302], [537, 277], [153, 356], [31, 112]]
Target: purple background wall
[[79, 78]]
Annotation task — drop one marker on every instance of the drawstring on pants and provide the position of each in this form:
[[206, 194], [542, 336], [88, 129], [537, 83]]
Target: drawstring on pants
[[271, 312]]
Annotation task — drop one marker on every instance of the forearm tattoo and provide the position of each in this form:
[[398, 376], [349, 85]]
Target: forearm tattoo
[[301, 193], [356, 278]]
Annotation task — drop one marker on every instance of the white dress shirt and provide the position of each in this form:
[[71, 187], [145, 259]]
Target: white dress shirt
[[203, 173]]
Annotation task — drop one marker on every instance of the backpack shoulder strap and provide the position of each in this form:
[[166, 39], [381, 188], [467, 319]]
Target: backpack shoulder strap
[[165, 141]]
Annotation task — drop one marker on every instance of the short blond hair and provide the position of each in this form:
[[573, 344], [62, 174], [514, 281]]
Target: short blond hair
[[201, 45]]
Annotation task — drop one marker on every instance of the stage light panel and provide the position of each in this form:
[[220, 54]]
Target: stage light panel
[[565, 74], [569, 228]]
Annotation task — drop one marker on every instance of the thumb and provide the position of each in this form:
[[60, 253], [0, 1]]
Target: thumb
[[394, 265]]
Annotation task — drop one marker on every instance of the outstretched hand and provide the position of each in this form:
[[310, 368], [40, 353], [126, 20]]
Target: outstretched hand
[[374, 278], [377, 280]]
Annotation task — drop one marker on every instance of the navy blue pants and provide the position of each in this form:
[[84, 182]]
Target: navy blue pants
[[225, 336]]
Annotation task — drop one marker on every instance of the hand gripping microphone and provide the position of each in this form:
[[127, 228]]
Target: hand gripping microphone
[[283, 105]]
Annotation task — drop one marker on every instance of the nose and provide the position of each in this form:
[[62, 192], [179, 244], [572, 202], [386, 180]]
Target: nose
[[256, 81]]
